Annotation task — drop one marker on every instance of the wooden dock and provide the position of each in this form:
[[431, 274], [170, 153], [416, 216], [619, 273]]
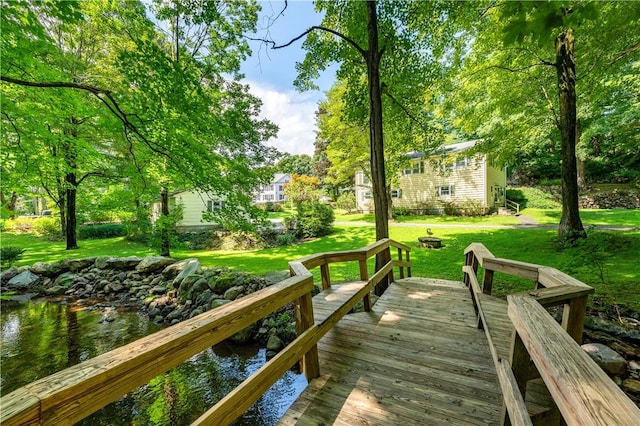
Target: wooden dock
[[416, 358]]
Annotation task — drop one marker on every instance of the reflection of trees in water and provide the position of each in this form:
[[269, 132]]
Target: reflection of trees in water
[[39, 339]]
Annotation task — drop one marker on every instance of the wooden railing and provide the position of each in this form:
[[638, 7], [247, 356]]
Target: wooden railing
[[541, 348], [512, 205], [73, 394]]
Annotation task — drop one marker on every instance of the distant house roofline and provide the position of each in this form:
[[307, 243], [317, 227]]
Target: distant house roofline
[[446, 149]]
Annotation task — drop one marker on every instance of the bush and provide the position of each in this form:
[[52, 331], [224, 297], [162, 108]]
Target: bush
[[19, 225], [199, 240], [286, 239], [314, 219], [10, 254], [401, 211], [346, 201], [48, 227], [101, 230]]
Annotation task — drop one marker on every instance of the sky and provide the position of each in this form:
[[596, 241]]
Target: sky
[[270, 74]]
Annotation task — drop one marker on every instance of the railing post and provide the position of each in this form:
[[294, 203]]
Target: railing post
[[520, 365], [409, 261], [573, 317], [401, 268], [324, 273], [364, 276], [390, 276], [310, 364], [470, 260], [487, 281]]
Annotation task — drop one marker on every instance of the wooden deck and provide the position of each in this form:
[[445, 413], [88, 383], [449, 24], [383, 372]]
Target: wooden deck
[[417, 358]]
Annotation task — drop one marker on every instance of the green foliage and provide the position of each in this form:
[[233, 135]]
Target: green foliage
[[299, 164], [303, 188], [48, 227], [529, 197], [140, 229], [101, 230], [10, 254], [168, 224], [285, 239], [314, 219], [346, 201]]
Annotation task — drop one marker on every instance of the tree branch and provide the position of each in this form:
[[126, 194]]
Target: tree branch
[[624, 53], [315, 27]]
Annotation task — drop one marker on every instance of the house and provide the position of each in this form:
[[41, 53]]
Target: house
[[194, 205], [447, 181], [274, 191]]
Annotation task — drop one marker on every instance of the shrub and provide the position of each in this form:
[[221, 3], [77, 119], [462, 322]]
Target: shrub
[[199, 240], [10, 254], [401, 211], [346, 201], [286, 239], [48, 227], [314, 219], [19, 225], [101, 230]]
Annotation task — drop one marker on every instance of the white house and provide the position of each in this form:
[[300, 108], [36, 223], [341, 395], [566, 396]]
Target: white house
[[274, 191], [447, 179], [194, 205]]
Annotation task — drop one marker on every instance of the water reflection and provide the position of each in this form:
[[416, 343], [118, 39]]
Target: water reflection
[[41, 337]]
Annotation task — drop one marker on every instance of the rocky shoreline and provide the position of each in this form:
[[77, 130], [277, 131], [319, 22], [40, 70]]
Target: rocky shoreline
[[170, 291]]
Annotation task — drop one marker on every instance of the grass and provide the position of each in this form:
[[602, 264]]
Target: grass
[[607, 261], [590, 217], [432, 219]]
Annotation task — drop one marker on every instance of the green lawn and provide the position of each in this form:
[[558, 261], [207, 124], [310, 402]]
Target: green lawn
[[590, 217], [432, 219], [612, 255]]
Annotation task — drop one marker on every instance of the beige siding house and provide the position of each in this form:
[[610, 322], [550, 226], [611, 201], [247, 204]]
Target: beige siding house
[[450, 180], [194, 204]]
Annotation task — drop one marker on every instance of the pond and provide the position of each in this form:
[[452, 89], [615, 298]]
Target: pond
[[41, 337]]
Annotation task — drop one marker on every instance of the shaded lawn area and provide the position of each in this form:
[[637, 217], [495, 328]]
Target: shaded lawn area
[[610, 254], [590, 217]]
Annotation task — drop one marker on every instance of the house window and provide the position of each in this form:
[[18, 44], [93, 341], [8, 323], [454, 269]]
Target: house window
[[396, 193], [444, 190], [281, 197], [280, 188], [366, 195], [214, 206], [267, 197], [268, 188], [365, 180], [461, 163], [416, 169]]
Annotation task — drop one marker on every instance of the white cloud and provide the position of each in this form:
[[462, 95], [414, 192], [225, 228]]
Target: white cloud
[[293, 112]]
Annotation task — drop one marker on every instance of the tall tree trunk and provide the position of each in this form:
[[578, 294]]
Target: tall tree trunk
[[570, 227], [164, 223], [582, 179], [70, 195], [380, 200], [61, 202]]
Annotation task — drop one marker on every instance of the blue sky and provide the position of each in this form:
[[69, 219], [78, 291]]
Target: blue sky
[[271, 73]]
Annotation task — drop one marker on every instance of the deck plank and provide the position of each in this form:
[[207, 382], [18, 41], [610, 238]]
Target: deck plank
[[417, 358]]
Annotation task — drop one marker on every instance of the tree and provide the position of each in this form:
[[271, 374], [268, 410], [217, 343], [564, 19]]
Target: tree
[[302, 188], [184, 117], [300, 164], [524, 49]]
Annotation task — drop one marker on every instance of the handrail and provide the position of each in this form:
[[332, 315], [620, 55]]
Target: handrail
[[582, 392], [76, 392], [512, 205]]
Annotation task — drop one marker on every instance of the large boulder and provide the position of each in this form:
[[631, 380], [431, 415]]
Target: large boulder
[[273, 277], [233, 292], [176, 268], [77, 264], [49, 270], [23, 280], [608, 359], [152, 264], [188, 267], [5, 276], [123, 263]]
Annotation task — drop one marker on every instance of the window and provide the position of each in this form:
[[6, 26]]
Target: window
[[416, 169], [268, 188], [458, 164], [280, 188], [396, 193], [214, 206], [365, 180], [444, 190], [267, 197], [281, 197], [366, 195]]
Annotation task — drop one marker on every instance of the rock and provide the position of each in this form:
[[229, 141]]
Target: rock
[[153, 263], [631, 385], [8, 274], [55, 290], [158, 290], [115, 287], [77, 264], [122, 263], [101, 262], [204, 298], [274, 343], [191, 266], [233, 292], [23, 280], [273, 277], [65, 279], [608, 359], [175, 314], [218, 302], [47, 269], [243, 336]]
